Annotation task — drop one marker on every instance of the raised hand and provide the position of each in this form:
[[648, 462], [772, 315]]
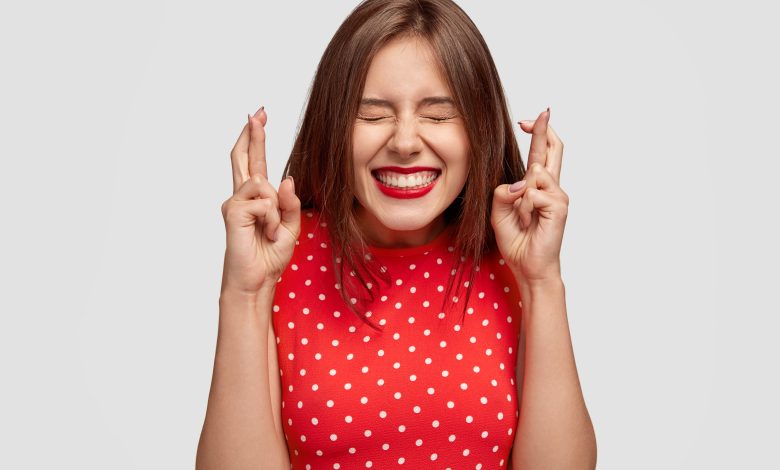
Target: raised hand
[[261, 224], [528, 217]]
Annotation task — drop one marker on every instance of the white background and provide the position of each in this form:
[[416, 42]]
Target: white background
[[117, 120]]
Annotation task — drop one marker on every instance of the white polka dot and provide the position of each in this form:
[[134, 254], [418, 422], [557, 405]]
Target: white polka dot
[[397, 395], [315, 387], [291, 295], [329, 404], [317, 356], [456, 328], [445, 373], [428, 360], [412, 289], [500, 416], [364, 400], [396, 336], [411, 348], [416, 409], [332, 372], [367, 433], [333, 437], [300, 404], [401, 460], [418, 442], [398, 305], [412, 378], [380, 382], [303, 372], [383, 414], [347, 386], [469, 419], [350, 356], [431, 391], [476, 369], [440, 288], [426, 304], [443, 344], [398, 282], [450, 404], [483, 400], [401, 428], [369, 464], [459, 356], [435, 423], [484, 434], [465, 452], [348, 418], [320, 326], [411, 320], [291, 356], [314, 421], [426, 332], [464, 386], [385, 446], [364, 369], [434, 456], [304, 341], [303, 438], [291, 325], [473, 340], [441, 315], [352, 450], [452, 438]]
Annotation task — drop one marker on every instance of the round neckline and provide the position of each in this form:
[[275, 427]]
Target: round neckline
[[441, 240]]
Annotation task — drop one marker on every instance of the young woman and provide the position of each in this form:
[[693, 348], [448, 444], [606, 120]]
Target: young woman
[[399, 302]]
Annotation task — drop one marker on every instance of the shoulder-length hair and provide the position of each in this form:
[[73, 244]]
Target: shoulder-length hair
[[321, 159]]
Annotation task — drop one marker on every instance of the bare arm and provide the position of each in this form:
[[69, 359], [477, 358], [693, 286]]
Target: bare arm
[[554, 430], [241, 430]]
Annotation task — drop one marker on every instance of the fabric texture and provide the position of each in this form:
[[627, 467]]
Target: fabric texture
[[426, 391]]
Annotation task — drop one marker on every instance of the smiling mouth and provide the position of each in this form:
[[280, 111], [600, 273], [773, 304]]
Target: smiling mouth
[[406, 180]]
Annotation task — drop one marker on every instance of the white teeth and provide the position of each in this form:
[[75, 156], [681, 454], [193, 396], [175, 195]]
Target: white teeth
[[398, 180]]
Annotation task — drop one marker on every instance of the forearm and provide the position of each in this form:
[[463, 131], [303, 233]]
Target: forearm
[[239, 430], [554, 428]]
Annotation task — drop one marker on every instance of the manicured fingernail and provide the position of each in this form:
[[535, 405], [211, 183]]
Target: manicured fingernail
[[527, 123], [249, 120], [517, 186], [257, 113]]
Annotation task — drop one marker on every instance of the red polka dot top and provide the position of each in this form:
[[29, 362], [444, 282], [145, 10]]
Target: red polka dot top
[[426, 391]]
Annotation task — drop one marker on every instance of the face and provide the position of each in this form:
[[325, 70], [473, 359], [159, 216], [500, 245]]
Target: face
[[410, 147]]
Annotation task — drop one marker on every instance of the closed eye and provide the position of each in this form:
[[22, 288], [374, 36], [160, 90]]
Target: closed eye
[[371, 119], [439, 118]]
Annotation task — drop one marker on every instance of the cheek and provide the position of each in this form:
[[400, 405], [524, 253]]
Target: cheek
[[452, 145]]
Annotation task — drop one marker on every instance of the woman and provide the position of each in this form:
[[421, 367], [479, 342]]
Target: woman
[[338, 343]]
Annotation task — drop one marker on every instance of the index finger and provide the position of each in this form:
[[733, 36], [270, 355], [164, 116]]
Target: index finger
[[257, 164]]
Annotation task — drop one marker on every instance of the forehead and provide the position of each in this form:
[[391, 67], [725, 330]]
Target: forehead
[[405, 68]]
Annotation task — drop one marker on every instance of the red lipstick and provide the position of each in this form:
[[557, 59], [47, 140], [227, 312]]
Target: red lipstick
[[406, 193]]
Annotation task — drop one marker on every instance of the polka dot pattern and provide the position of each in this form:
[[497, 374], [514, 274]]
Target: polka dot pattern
[[425, 389]]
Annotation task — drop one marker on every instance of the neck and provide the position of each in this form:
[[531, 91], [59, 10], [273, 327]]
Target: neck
[[378, 235]]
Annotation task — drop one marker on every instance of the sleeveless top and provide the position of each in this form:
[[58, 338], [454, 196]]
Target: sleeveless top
[[426, 392]]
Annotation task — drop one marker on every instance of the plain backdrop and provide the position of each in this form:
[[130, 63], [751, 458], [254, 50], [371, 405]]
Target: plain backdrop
[[117, 119]]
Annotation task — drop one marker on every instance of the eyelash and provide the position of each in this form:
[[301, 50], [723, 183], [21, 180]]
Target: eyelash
[[436, 119]]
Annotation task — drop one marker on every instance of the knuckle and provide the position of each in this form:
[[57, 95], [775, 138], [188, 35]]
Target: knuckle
[[536, 168]]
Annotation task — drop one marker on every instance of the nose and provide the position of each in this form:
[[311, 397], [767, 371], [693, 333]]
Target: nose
[[405, 140]]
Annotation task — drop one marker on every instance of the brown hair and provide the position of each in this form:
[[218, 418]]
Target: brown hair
[[321, 159]]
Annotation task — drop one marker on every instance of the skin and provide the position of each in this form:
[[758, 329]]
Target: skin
[[554, 429], [406, 121]]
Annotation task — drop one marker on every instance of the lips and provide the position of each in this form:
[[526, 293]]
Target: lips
[[406, 183]]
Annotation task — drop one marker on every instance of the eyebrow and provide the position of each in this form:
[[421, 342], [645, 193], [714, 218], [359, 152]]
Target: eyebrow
[[430, 100]]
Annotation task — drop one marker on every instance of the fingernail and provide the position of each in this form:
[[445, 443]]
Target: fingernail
[[526, 122], [257, 113], [517, 186], [249, 120]]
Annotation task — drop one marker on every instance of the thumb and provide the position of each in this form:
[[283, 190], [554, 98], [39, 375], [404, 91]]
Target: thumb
[[290, 207], [504, 198]]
